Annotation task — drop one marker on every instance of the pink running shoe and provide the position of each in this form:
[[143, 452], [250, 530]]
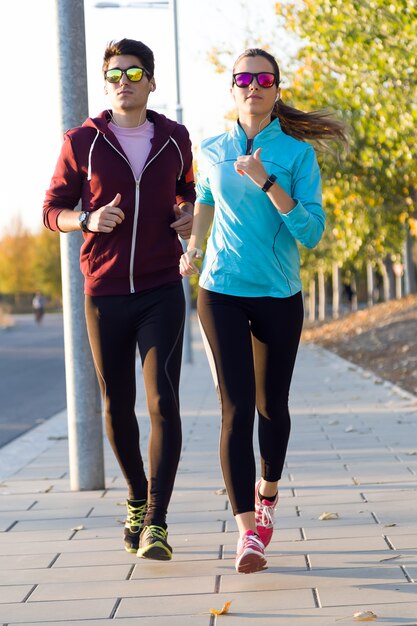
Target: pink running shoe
[[250, 556], [264, 516]]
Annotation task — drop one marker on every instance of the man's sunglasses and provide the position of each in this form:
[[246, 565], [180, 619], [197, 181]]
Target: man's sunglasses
[[264, 79], [133, 73]]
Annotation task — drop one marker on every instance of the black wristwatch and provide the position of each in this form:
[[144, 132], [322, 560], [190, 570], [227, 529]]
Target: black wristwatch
[[82, 220], [269, 182]]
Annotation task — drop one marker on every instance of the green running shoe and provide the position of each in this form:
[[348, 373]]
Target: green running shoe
[[136, 511], [153, 544]]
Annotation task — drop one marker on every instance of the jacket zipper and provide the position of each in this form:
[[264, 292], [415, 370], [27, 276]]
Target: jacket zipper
[[136, 215]]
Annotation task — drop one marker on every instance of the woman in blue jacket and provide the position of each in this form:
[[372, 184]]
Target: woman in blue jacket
[[259, 186]]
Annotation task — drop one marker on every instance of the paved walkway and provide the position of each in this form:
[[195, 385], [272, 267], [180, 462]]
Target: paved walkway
[[353, 453]]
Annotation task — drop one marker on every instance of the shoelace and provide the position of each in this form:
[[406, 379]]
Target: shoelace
[[158, 532], [265, 514], [136, 514], [251, 541]]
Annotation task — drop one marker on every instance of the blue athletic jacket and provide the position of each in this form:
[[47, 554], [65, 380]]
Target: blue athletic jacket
[[252, 250]]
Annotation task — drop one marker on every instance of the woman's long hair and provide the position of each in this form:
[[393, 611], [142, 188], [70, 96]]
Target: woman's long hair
[[318, 126]]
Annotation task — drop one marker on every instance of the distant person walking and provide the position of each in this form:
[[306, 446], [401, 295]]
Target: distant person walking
[[132, 170], [259, 186], [38, 305]]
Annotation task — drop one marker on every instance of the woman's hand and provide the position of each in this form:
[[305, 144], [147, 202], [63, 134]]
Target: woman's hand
[[251, 165], [187, 266]]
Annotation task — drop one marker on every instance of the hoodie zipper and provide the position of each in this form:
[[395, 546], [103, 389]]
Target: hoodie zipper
[[136, 214]]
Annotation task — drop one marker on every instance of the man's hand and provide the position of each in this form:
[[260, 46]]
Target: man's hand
[[183, 222], [105, 219]]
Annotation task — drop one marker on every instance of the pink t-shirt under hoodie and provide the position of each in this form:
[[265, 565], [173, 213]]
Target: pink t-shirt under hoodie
[[136, 143]]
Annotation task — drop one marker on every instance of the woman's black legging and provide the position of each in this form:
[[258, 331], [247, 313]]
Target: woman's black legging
[[152, 320], [252, 346]]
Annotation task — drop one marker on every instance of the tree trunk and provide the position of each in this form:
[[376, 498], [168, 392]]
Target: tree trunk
[[322, 294], [312, 300], [354, 293], [370, 283], [410, 282], [387, 279], [336, 290]]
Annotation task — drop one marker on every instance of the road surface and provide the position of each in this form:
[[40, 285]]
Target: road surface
[[32, 374]]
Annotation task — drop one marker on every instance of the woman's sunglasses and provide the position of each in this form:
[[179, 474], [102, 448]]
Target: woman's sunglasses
[[264, 79], [133, 73]]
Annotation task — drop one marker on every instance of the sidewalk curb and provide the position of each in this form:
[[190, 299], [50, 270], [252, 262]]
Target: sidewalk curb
[[24, 449]]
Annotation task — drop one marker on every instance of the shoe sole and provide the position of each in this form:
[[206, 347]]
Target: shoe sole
[[250, 563], [131, 550], [156, 551]]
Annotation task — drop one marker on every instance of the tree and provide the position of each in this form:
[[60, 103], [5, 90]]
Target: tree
[[16, 260], [359, 59]]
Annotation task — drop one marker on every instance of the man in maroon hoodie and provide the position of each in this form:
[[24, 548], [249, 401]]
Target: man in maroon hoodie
[[132, 170]]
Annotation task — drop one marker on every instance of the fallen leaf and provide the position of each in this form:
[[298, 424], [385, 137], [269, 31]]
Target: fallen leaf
[[333, 422], [225, 609], [80, 527], [389, 525], [364, 616], [327, 515], [413, 453], [350, 429], [220, 492]]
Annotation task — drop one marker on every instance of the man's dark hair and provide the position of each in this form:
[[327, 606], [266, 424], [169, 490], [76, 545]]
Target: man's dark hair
[[134, 48]]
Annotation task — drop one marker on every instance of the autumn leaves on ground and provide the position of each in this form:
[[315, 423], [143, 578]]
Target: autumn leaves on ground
[[382, 338]]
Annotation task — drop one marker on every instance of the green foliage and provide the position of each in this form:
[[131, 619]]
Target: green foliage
[[359, 60]]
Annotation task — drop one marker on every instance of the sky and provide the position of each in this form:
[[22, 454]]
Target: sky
[[30, 107]]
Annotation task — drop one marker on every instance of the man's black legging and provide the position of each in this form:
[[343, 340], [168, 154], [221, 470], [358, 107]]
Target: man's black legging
[[153, 321], [252, 346]]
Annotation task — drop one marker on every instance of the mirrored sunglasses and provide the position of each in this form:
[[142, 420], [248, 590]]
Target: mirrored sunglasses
[[133, 73], [264, 79]]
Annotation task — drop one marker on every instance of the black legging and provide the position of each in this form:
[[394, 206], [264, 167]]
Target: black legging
[[154, 321], [252, 346]]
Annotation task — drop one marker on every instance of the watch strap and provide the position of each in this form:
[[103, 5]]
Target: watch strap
[[83, 222], [269, 182]]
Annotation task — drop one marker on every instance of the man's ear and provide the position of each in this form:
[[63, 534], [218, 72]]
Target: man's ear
[[152, 85]]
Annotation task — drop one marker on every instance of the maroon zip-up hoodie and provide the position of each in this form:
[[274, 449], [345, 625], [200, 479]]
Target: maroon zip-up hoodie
[[143, 251]]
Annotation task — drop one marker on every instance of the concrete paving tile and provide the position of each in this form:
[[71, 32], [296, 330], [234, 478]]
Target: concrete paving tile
[[10, 487], [13, 593], [76, 510], [94, 545], [219, 567], [25, 561], [45, 612], [17, 503], [344, 531], [64, 574], [45, 473], [115, 531], [46, 592], [271, 579], [56, 523], [372, 558], [403, 542], [183, 620], [84, 558], [249, 602], [364, 594], [391, 615], [34, 536]]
